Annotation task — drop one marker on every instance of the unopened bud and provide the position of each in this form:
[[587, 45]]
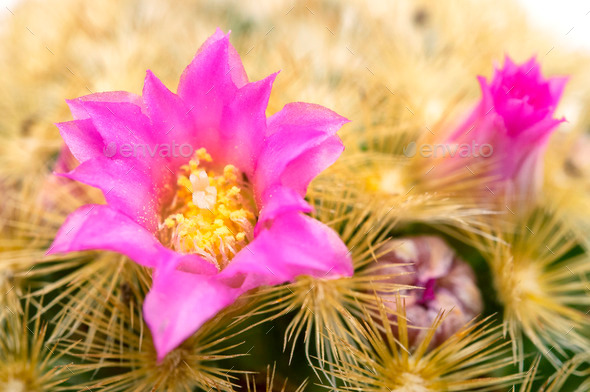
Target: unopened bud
[[448, 283]]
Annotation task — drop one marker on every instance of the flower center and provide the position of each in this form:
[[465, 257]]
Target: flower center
[[523, 287], [390, 182], [15, 385], [212, 213], [410, 382]]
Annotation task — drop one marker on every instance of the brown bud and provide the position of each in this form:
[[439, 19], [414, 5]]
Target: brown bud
[[447, 283]]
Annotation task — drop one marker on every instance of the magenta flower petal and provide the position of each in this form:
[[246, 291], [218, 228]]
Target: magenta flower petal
[[168, 114], [293, 137], [300, 171], [124, 124], [238, 73], [207, 87], [120, 122], [556, 86], [80, 113], [127, 188], [240, 139], [215, 224], [96, 226], [294, 245], [82, 139], [180, 302], [280, 200]]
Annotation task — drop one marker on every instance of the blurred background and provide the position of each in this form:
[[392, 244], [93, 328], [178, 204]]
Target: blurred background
[[381, 65], [364, 62]]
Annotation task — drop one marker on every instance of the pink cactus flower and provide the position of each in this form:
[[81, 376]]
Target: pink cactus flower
[[202, 187], [515, 117], [447, 283]]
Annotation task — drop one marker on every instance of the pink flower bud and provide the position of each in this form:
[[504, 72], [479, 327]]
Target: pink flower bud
[[515, 117], [448, 284]]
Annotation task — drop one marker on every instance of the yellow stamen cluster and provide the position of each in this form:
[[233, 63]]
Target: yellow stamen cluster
[[213, 214]]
